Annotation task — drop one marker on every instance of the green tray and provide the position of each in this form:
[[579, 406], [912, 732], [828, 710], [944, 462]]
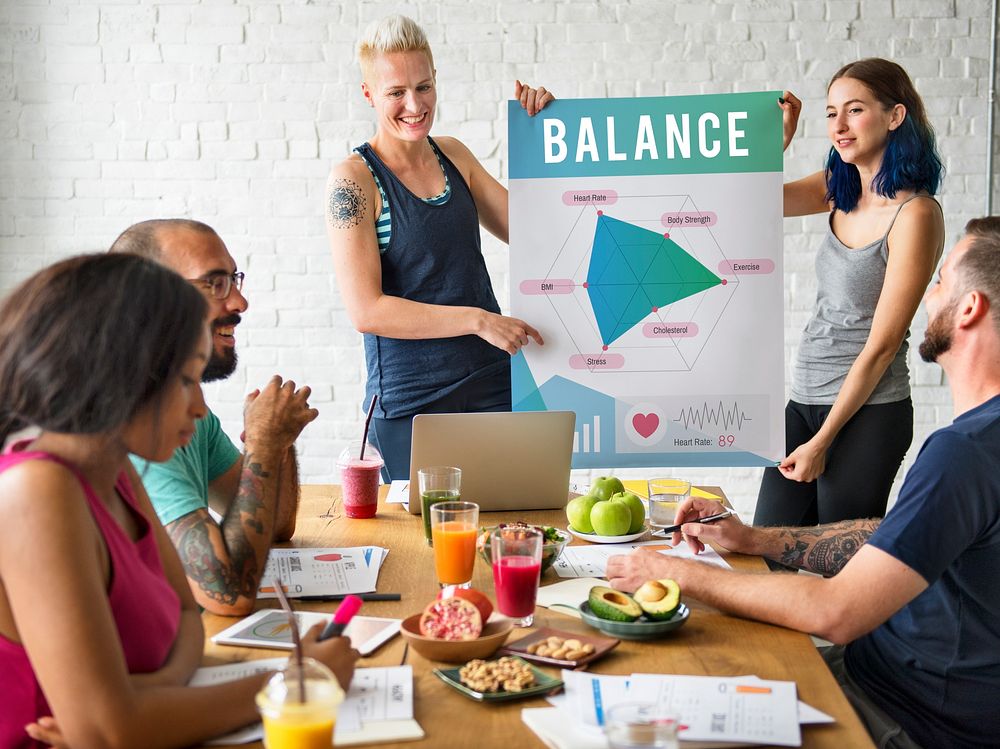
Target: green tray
[[544, 684]]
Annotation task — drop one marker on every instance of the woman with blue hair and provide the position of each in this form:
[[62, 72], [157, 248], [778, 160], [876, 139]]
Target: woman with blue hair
[[849, 421]]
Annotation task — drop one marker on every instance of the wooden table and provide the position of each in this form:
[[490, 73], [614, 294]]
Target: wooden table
[[709, 644]]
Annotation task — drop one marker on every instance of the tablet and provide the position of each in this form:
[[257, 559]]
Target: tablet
[[269, 628]]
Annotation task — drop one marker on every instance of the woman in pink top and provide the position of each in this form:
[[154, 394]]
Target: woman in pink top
[[98, 628]]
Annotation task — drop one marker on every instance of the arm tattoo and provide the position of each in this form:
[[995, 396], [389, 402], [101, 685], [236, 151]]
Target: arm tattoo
[[346, 204], [219, 579], [228, 573], [825, 549]]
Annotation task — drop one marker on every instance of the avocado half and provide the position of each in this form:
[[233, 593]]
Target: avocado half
[[611, 604], [659, 599]]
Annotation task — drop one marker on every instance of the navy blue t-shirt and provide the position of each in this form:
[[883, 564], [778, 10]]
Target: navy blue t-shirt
[[935, 665]]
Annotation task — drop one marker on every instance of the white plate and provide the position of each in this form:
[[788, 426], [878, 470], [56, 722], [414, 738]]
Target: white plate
[[595, 539]]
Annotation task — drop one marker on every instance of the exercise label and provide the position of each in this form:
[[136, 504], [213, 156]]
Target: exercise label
[[748, 266]]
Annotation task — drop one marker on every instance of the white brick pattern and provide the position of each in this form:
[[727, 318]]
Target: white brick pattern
[[232, 113]]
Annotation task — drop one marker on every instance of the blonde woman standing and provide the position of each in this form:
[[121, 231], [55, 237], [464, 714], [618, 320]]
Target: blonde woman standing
[[403, 213]]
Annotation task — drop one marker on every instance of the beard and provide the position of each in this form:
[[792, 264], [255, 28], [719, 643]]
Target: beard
[[937, 338], [221, 365]]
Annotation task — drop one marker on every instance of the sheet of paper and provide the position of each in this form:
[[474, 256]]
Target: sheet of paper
[[322, 571], [808, 715], [399, 492], [726, 708], [209, 675], [564, 597], [590, 696], [592, 560], [558, 731], [378, 707], [377, 694]]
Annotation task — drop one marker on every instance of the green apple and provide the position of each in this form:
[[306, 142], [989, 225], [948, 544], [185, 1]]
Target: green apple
[[578, 513], [611, 518], [636, 508], [604, 487]]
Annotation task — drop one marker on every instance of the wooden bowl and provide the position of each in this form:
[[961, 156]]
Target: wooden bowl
[[495, 633]]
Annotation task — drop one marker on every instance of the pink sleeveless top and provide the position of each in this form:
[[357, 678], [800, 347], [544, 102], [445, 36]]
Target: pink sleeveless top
[[145, 607]]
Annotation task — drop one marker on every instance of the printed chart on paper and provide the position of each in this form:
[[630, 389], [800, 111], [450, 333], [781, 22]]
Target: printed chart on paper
[[646, 246]]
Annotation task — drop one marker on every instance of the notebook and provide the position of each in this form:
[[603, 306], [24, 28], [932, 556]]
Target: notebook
[[509, 461]]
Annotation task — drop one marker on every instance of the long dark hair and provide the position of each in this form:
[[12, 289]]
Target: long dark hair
[[910, 160], [89, 340]]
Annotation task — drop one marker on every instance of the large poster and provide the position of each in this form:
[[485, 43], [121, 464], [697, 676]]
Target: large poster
[[646, 246]]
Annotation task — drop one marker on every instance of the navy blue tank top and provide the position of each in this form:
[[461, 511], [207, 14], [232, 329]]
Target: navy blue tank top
[[434, 256]]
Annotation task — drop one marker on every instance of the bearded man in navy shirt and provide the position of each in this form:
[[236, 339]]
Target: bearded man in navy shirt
[[912, 600]]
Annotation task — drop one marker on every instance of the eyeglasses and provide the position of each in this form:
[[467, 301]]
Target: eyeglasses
[[220, 285]]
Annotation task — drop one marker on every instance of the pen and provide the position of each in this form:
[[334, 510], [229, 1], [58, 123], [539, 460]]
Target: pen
[[362, 596], [709, 519], [341, 618]]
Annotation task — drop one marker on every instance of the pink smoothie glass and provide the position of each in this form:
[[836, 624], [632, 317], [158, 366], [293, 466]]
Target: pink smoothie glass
[[359, 480], [517, 569]]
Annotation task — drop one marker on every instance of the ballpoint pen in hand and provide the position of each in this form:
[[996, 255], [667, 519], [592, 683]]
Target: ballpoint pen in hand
[[708, 519], [345, 612]]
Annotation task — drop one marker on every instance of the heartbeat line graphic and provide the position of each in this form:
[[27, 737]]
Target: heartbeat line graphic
[[721, 415]]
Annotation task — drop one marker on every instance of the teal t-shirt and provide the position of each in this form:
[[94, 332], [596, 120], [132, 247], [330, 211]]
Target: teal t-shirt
[[180, 485]]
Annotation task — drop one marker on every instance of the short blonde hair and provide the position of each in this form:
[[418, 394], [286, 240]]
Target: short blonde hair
[[391, 34]]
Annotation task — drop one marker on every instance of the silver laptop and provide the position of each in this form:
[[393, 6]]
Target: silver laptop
[[509, 461]]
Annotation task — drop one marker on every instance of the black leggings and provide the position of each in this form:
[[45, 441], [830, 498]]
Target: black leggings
[[860, 466]]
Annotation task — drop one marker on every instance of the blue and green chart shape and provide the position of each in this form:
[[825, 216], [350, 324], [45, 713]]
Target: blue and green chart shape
[[634, 271]]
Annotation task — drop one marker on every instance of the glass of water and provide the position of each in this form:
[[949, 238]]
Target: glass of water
[[664, 496], [632, 725]]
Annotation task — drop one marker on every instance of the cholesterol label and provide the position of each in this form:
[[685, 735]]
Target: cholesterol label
[[670, 330]]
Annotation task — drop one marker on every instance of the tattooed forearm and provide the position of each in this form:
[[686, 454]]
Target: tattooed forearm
[[226, 561], [824, 549], [221, 577], [346, 204]]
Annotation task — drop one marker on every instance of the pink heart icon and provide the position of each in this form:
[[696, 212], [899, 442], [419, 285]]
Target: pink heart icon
[[645, 424]]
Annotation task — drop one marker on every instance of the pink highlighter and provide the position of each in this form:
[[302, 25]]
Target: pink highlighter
[[341, 618]]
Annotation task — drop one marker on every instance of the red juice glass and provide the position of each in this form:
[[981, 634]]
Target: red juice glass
[[517, 568], [359, 480]]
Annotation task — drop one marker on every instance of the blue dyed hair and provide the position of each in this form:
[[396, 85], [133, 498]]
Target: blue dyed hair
[[910, 160]]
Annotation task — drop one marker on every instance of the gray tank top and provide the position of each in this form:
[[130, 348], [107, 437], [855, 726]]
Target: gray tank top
[[850, 282]]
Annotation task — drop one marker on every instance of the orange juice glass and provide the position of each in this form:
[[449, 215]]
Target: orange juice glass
[[290, 723], [453, 528]]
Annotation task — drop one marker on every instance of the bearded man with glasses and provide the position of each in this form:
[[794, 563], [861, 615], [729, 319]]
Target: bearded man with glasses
[[254, 493]]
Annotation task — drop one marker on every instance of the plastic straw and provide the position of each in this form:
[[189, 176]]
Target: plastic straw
[[368, 422], [293, 624]]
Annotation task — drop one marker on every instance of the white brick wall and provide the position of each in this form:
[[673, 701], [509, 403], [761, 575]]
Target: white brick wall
[[232, 112]]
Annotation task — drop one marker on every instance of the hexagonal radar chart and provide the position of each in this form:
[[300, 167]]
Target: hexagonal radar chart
[[634, 271], [646, 249]]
